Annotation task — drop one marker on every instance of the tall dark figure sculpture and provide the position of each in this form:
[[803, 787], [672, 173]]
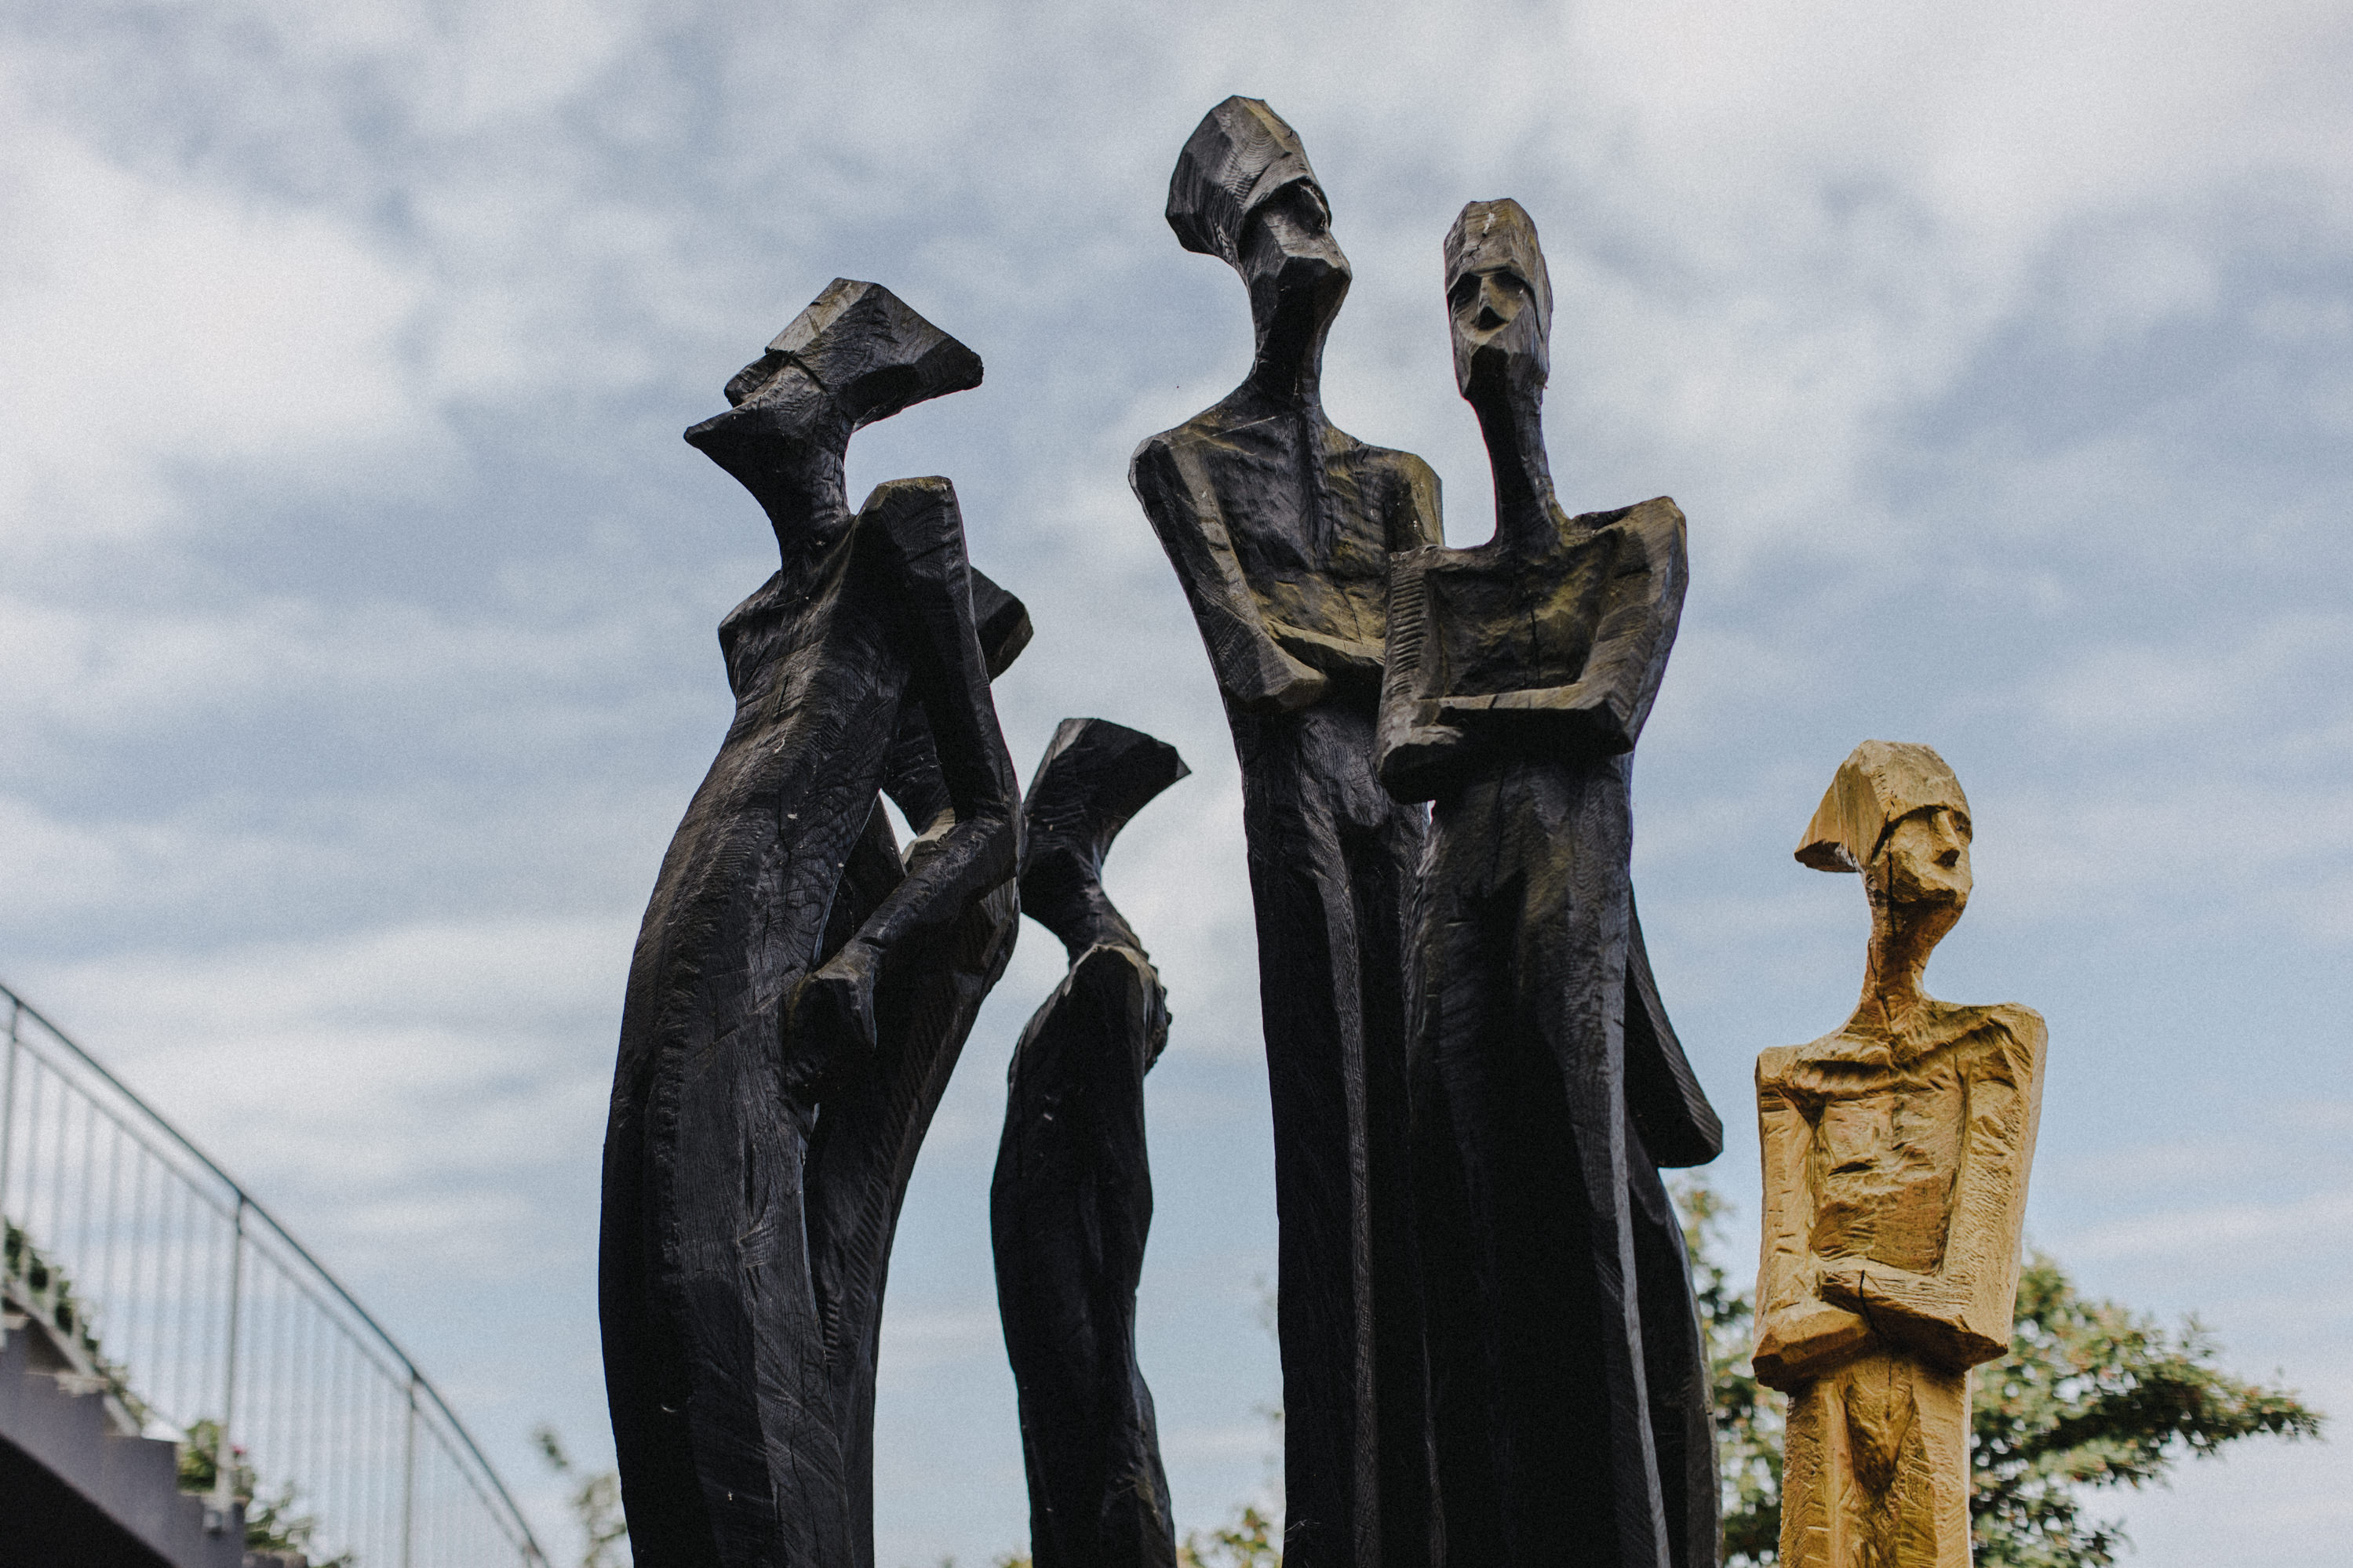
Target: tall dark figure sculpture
[[1569, 1385], [799, 994], [1073, 1197], [1279, 528]]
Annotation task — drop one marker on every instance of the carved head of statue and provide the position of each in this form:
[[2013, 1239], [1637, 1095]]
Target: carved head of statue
[[1498, 301], [1094, 777], [866, 351], [1895, 813], [855, 355], [1243, 191]]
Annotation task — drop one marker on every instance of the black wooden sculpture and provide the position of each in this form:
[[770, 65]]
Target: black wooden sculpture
[[1073, 1197], [1569, 1384], [799, 993], [1279, 528]]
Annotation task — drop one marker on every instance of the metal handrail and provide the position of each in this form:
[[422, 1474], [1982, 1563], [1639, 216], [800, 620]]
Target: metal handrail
[[83, 1290]]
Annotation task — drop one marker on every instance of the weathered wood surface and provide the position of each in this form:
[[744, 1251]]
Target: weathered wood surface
[[1071, 1202], [1570, 1410], [1280, 527], [1895, 1151], [800, 991]]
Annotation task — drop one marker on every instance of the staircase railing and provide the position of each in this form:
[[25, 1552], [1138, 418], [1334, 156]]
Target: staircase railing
[[205, 1320]]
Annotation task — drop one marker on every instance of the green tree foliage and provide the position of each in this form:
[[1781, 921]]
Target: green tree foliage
[[1250, 1540], [595, 1501], [270, 1522], [2091, 1395], [1748, 1415]]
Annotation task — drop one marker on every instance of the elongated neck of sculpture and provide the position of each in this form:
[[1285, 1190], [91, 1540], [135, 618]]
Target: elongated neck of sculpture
[[786, 443], [1900, 941], [1527, 515], [805, 494], [1289, 327], [1061, 890]]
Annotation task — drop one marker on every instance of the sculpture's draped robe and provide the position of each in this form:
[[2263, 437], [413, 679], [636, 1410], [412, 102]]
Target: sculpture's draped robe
[[1279, 528], [1569, 1384], [1069, 1208], [753, 1179], [1905, 1169]]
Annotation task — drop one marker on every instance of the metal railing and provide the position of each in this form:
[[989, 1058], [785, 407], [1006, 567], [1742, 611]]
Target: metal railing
[[182, 1299]]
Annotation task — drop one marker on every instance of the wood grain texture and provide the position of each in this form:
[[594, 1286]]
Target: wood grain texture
[[1570, 1411], [1071, 1202], [1279, 528], [800, 990], [1896, 1152]]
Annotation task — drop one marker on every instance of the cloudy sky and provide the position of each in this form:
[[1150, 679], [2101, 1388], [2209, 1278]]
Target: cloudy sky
[[356, 592]]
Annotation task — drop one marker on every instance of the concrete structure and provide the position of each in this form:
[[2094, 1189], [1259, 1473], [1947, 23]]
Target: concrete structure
[[82, 1488]]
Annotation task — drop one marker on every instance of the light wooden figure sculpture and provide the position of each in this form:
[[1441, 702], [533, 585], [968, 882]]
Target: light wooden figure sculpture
[[1896, 1157]]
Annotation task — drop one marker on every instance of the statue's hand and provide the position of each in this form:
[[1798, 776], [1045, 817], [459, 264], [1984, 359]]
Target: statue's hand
[[1582, 719], [1925, 1313], [1420, 764], [1275, 682], [1840, 1282], [1798, 1343], [829, 1028]]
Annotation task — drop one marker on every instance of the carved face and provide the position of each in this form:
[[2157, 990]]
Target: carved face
[[771, 399], [753, 376], [1499, 333], [1922, 869], [781, 417], [1288, 255]]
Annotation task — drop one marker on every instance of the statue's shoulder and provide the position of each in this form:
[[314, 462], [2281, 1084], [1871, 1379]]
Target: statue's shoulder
[[742, 628], [1794, 1068], [2006, 1033], [1112, 969], [764, 602], [910, 534], [1209, 427], [2023, 1024], [914, 520], [1657, 524], [1659, 514], [1404, 470], [1387, 459]]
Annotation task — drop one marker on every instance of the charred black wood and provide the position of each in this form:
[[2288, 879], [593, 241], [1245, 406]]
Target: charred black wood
[[800, 990], [1569, 1386], [1071, 1202], [1279, 528]]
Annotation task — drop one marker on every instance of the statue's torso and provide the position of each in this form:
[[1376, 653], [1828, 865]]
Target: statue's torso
[[1507, 619], [1882, 1168], [1311, 514], [1887, 1129], [818, 676]]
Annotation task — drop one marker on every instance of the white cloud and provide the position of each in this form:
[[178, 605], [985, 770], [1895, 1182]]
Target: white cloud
[[358, 657], [411, 1075], [2211, 1232], [2134, 691], [916, 1339], [157, 327]]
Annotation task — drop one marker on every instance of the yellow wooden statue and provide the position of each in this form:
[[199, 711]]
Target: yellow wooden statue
[[1896, 1161]]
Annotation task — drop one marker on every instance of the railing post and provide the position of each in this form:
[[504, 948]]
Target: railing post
[[409, 1480], [224, 1451], [8, 1105]]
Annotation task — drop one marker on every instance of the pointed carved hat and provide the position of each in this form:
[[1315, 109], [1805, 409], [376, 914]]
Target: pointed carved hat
[[869, 349], [1879, 784], [1239, 155]]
